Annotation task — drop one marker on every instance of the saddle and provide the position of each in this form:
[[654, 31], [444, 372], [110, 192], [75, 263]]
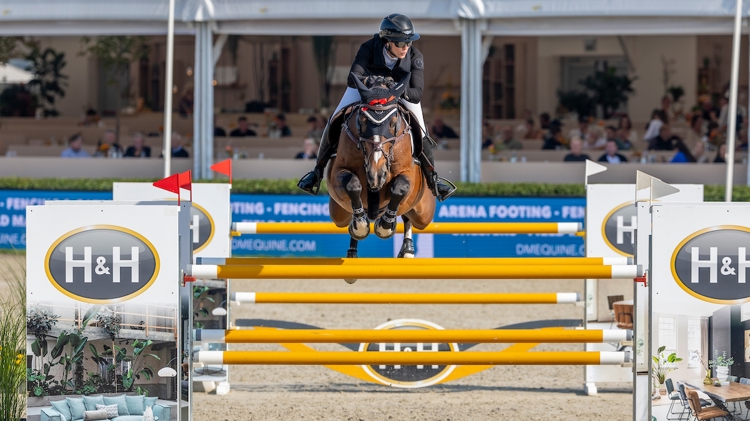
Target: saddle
[[338, 120]]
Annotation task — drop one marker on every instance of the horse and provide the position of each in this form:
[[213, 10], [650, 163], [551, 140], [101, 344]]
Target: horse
[[376, 149]]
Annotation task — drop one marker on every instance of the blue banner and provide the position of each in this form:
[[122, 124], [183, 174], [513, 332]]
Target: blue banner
[[290, 208]]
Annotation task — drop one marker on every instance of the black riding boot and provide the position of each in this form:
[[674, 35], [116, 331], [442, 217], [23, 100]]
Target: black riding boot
[[310, 182], [442, 188]]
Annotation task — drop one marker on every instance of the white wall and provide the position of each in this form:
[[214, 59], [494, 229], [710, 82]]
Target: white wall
[[81, 92], [682, 372], [645, 53]]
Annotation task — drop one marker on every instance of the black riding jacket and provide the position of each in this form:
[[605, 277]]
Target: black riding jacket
[[370, 62]]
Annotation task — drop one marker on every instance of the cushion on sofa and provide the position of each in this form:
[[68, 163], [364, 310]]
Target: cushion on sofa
[[161, 411], [111, 410], [129, 418], [149, 402], [95, 415], [122, 405], [63, 408], [91, 401], [136, 404], [77, 408]]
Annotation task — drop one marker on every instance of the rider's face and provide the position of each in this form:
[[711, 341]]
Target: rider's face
[[398, 52]]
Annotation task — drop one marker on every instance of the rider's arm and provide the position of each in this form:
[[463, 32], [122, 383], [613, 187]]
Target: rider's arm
[[359, 67], [413, 93]]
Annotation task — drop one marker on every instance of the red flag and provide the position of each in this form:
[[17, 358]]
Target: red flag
[[186, 182], [170, 184], [224, 167]]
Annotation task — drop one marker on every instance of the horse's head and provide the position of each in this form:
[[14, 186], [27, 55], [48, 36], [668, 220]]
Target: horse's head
[[379, 125]]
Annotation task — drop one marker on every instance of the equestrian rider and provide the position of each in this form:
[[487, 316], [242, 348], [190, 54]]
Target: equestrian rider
[[389, 54]]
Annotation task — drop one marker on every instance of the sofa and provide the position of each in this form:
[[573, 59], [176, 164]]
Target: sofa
[[129, 408]]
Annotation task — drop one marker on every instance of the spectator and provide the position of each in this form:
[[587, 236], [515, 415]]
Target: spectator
[[281, 128], [576, 151], [314, 131], [309, 149], [243, 129], [665, 141], [488, 134], [697, 131], [741, 112], [686, 155], [186, 104], [714, 136], [75, 148], [91, 118], [109, 147], [218, 130], [721, 154], [508, 141], [610, 155], [531, 132], [138, 149], [596, 139], [441, 131], [652, 129], [177, 150], [708, 111], [610, 134], [666, 108], [544, 121], [553, 140], [584, 132], [625, 131]]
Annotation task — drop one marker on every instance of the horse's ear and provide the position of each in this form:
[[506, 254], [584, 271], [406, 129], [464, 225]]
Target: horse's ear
[[401, 86], [360, 86]]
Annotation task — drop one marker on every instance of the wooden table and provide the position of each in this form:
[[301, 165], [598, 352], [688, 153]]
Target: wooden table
[[732, 392]]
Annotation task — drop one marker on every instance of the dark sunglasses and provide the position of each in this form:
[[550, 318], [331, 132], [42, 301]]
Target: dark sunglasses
[[401, 44]]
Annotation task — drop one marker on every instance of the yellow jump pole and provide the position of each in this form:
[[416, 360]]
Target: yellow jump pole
[[239, 228], [411, 358], [568, 336], [394, 271], [402, 298], [582, 261]]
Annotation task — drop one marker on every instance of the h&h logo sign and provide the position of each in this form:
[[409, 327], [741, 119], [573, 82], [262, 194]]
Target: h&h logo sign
[[618, 229]]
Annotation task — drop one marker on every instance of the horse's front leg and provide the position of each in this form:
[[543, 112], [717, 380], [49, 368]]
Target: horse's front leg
[[407, 247], [359, 227], [385, 226]]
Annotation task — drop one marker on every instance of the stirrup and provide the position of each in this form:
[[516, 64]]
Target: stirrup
[[450, 185], [310, 178]]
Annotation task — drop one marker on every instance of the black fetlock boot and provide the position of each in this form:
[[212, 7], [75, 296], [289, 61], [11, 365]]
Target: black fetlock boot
[[442, 188], [310, 182]]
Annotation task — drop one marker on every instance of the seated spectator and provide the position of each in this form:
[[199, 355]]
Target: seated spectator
[[177, 150], [441, 131], [488, 135], [658, 118], [686, 155], [544, 121], [138, 149], [666, 108], [596, 139], [314, 130], [553, 140], [507, 139], [576, 151], [708, 111], [309, 149], [219, 131], [75, 148], [625, 131], [610, 134], [610, 155], [91, 118], [584, 132], [281, 128], [665, 141], [109, 147], [530, 131], [721, 154], [243, 129]]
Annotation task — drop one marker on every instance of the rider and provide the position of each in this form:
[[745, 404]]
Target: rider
[[388, 53]]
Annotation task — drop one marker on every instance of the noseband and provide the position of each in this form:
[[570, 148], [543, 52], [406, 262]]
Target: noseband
[[364, 109]]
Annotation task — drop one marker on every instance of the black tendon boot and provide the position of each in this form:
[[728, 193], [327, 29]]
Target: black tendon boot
[[441, 187], [310, 182]]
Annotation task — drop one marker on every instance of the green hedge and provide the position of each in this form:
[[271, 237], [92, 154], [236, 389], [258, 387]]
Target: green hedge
[[712, 193]]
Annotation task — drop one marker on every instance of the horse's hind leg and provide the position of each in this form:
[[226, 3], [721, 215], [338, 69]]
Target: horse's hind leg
[[385, 226], [359, 227], [407, 248]]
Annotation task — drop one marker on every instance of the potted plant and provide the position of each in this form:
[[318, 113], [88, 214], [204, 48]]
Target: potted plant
[[721, 363], [663, 365]]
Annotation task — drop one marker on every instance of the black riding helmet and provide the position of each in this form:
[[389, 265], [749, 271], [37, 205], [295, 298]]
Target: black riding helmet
[[397, 28]]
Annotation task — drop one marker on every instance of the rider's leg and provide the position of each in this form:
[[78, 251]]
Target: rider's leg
[[310, 182], [440, 189]]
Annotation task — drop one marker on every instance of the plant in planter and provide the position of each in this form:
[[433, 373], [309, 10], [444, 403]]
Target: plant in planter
[[39, 322], [111, 323], [663, 365], [721, 365], [138, 365]]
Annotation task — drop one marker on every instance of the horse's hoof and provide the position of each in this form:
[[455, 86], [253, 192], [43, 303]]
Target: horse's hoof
[[351, 254], [384, 233], [359, 229], [407, 249], [350, 281]]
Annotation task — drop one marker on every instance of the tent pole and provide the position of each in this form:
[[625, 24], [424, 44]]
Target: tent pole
[[198, 100], [732, 118], [168, 95]]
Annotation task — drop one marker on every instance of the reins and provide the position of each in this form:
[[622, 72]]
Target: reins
[[362, 109]]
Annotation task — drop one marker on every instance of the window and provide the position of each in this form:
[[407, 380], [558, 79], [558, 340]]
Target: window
[[694, 342], [667, 334]]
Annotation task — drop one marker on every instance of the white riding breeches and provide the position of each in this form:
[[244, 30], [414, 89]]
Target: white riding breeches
[[352, 95]]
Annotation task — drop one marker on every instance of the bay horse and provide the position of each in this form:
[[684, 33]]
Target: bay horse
[[376, 151]]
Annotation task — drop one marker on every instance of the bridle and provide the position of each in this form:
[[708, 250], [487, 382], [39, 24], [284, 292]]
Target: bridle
[[364, 109]]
